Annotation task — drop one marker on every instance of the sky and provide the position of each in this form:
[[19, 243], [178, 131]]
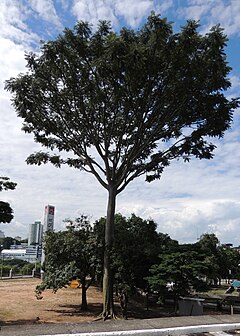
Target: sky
[[189, 200]]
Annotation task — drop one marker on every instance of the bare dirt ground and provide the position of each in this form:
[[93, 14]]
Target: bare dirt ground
[[18, 304]]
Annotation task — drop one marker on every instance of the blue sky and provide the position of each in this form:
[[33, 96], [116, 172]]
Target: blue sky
[[189, 200]]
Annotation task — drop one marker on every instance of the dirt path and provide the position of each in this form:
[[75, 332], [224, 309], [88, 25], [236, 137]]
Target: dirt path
[[18, 303]]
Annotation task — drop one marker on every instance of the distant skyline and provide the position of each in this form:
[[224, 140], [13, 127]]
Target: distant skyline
[[190, 199]]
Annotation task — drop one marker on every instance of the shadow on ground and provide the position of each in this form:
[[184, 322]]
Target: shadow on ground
[[94, 309], [21, 322]]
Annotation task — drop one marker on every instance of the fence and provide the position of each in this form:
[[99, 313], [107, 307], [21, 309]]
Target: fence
[[13, 275]]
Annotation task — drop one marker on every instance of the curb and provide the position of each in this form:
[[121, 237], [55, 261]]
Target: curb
[[176, 331]]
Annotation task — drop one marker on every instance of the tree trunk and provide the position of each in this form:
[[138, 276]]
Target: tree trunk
[[108, 307], [84, 305]]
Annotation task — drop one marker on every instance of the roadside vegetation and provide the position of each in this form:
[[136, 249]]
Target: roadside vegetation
[[149, 267], [17, 267], [144, 261]]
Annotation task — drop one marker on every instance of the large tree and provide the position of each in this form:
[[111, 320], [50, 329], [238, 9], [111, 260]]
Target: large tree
[[6, 212], [125, 104]]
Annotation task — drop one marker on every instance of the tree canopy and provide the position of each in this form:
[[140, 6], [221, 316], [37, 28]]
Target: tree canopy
[[184, 270], [122, 105], [136, 248]]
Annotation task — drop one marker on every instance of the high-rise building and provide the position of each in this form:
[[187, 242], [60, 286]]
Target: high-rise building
[[48, 218], [35, 233], [48, 226], [2, 235]]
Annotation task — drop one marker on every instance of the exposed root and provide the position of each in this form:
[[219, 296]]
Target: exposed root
[[106, 316]]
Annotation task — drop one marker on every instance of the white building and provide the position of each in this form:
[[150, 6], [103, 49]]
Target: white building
[[13, 254], [31, 254], [35, 233]]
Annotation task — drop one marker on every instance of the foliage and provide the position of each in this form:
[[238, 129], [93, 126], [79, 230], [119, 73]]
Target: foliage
[[124, 94], [125, 104], [221, 259], [6, 212], [6, 184], [17, 266], [16, 262], [186, 265], [6, 242], [136, 248], [137, 245], [183, 270], [69, 254], [27, 269], [209, 243], [229, 263]]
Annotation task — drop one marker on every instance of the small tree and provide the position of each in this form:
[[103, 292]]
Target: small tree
[[6, 212], [69, 254], [125, 104]]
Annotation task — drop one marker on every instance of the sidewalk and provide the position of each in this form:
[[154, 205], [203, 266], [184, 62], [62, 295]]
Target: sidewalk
[[188, 324]]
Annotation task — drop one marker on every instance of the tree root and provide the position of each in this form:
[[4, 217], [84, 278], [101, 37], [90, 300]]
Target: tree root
[[106, 316]]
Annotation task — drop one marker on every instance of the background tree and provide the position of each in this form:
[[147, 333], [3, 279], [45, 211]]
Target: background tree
[[183, 269], [125, 104], [209, 245], [6, 212], [229, 263], [70, 254], [6, 242]]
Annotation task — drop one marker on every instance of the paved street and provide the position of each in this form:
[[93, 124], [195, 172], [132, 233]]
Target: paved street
[[160, 326]]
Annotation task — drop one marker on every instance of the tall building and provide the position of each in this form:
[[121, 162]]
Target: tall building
[[2, 235], [35, 233], [48, 218], [48, 226]]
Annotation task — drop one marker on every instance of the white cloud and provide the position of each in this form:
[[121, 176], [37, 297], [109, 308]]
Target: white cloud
[[64, 3], [195, 9], [134, 11], [12, 23], [235, 80], [93, 11], [225, 12], [187, 219], [129, 12], [163, 6], [11, 60], [46, 10]]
